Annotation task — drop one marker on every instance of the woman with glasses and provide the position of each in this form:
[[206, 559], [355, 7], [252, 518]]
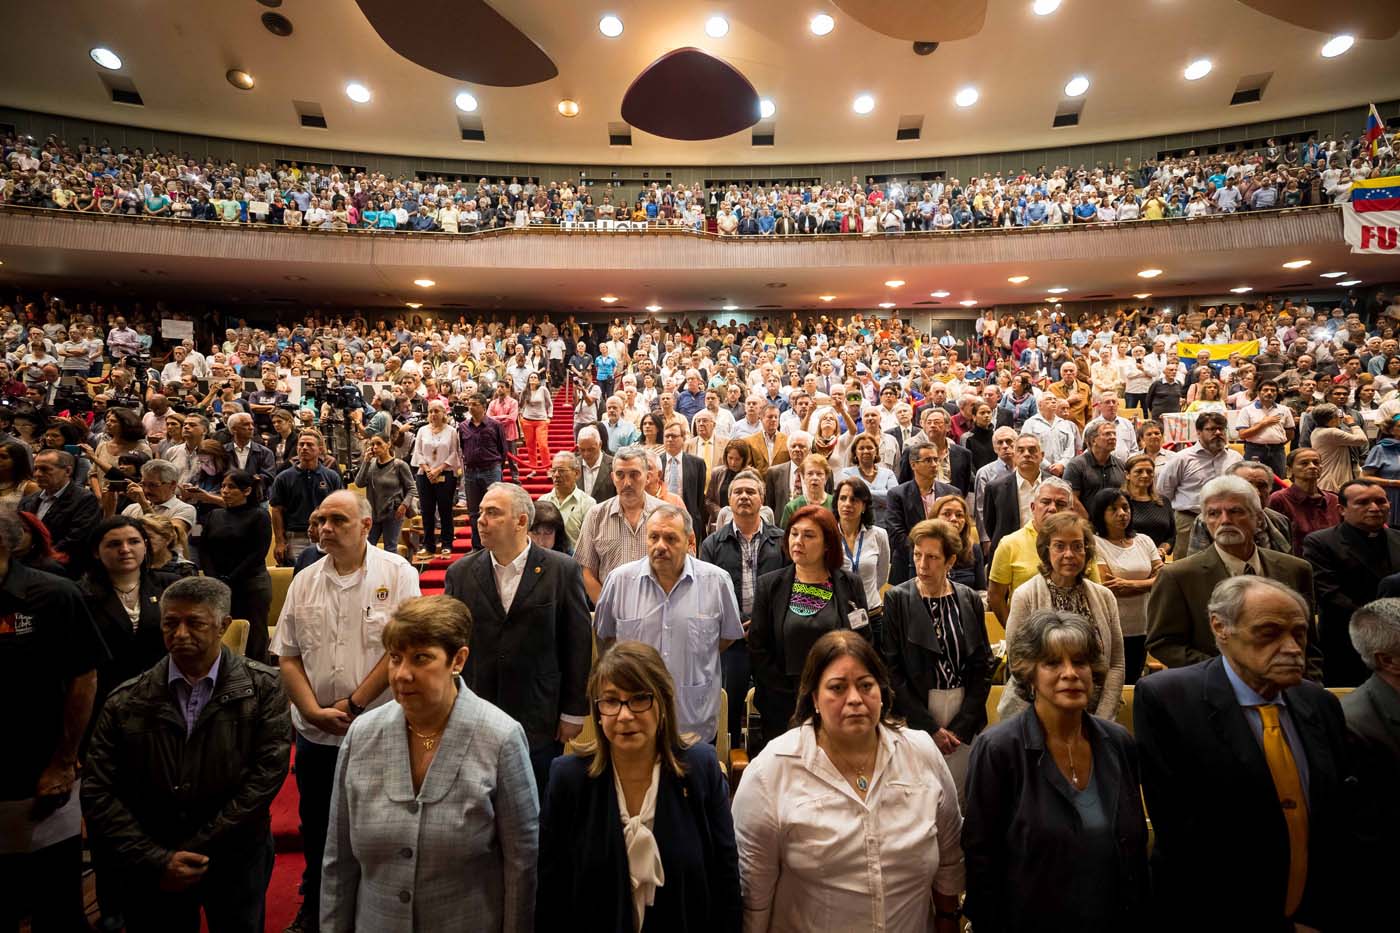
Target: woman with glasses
[[635, 831]]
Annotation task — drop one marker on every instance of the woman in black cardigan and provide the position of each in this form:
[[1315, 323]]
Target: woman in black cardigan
[[1054, 824], [635, 831], [795, 606], [935, 643], [234, 550]]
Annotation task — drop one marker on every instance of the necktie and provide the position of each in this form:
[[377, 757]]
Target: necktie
[[673, 475], [1249, 570], [1290, 797]]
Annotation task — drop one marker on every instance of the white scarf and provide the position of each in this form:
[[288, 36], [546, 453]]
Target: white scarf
[[643, 857]]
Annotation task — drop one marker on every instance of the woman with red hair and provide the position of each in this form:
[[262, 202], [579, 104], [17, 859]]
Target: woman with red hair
[[797, 605], [36, 550]]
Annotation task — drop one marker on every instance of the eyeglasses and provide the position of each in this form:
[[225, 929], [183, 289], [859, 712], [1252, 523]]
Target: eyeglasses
[[637, 703]]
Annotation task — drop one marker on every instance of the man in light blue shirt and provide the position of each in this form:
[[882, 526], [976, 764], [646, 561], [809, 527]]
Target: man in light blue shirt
[[682, 607]]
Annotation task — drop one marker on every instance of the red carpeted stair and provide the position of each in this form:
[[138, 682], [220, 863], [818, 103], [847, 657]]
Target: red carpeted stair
[[561, 437]]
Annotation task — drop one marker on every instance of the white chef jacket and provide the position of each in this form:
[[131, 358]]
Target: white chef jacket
[[815, 857], [335, 625]]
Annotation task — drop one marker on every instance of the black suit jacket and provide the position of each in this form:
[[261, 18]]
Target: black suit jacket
[[960, 472], [1372, 711], [532, 661], [904, 508], [70, 519], [132, 649], [584, 880], [1001, 509], [1215, 810], [262, 462], [603, 487], [1021, 822], [911, 651], [692, 488], [1345, 580]]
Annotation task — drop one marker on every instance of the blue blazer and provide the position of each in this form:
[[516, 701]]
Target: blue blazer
[[584, 884]]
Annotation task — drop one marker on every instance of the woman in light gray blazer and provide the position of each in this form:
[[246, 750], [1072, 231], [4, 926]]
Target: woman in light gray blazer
[[434, 815]]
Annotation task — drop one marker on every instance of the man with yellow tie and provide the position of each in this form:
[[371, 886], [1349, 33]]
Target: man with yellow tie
[[705, 443], [1243, 765]]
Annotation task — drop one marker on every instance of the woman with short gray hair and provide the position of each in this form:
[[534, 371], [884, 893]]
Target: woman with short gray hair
[[1054, 779]]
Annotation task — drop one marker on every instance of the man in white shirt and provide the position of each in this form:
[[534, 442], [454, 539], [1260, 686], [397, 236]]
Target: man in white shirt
[[1187, 471], [752, 421], [1056, 440], [332, 660], [155, 494], [724, 419], [683, 607]]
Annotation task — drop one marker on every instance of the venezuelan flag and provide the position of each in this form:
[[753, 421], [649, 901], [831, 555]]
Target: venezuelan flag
[[1376, 194], [1375, 131]]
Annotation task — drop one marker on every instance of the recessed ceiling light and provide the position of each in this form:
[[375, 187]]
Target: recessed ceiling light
[[1149, 273], [424, 283], [1334, 46], [239, 79], [1057, 290], [1197, 69], [1045, 7], [466, 102], [716, 27], [610, 26], [568, 107], [1018, 279], [1333, 275], [863, 104], [357, 92], [1076, 86], [415, 305], [1053, 300], [826, 297], [766, 109], [106, 58], [893, 283], [1297, 263], [966, 97], [939, 294], [1349, 283], [653, 308], [731, 307], [1141, 295], [608, 299], [887, 304], [822, 24], [968, 302], [1241, 289]]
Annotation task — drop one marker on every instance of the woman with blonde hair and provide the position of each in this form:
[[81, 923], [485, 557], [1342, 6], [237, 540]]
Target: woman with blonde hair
[[970, 569], [635, 830], [168, 543]]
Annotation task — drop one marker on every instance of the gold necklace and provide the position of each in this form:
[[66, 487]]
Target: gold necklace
[[428, 740], [862, 782]]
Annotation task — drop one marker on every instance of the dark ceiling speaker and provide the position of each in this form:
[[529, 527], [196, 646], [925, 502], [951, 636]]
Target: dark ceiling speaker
[[925, 48], [271, 3], [277, 24]]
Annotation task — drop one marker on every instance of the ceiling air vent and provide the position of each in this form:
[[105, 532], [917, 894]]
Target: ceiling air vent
[[768, 307], [619, 134], [313, 120], [1065, 119], [928, 301], [763, 139], [912, 132], [1067, 112], [1250, 89], [1093, 297], [124, 96], [310, 114], [473, 135], [911, 126]]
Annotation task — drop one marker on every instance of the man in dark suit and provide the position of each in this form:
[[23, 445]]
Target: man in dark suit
[[531, 646], [783, 481], [1372, 712], [936, 422], [904, 508], [68, 511], [595, 467], [1001, 506], [683, 473], [244, 453], [1349, 561], [1243, 770], [1178, 626]]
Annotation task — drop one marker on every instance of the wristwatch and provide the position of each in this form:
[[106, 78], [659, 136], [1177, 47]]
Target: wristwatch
[[355, 708]]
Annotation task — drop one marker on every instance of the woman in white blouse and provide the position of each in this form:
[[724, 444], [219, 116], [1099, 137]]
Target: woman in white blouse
[[436, 459], [1128, 565], [865, 546], [848, 821]]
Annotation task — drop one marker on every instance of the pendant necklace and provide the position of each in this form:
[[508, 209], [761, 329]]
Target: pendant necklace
[[428, 740], [862, 782]]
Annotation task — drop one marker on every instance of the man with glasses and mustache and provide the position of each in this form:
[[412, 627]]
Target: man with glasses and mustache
[[1179, 629], [1243, 768]]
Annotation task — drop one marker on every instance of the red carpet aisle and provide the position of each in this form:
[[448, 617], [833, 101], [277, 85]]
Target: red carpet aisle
[[561, 437], [282, 896]]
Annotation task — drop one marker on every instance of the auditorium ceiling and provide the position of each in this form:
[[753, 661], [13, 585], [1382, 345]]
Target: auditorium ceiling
[[520, 60]]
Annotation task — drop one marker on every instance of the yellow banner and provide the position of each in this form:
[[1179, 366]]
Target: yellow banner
[[1218, 351]]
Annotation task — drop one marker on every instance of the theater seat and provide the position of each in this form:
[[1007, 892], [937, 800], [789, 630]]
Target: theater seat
[[995, 631], [281, 583], [1125, 710], [993, 699], [236, 636], [722, 732]]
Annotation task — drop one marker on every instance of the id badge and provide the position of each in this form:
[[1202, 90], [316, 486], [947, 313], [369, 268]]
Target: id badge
[[858, 619]]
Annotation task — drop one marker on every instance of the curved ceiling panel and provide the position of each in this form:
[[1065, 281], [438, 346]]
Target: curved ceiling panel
[[499, 55], [718, 100], [1366, 19], [926, 21]]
